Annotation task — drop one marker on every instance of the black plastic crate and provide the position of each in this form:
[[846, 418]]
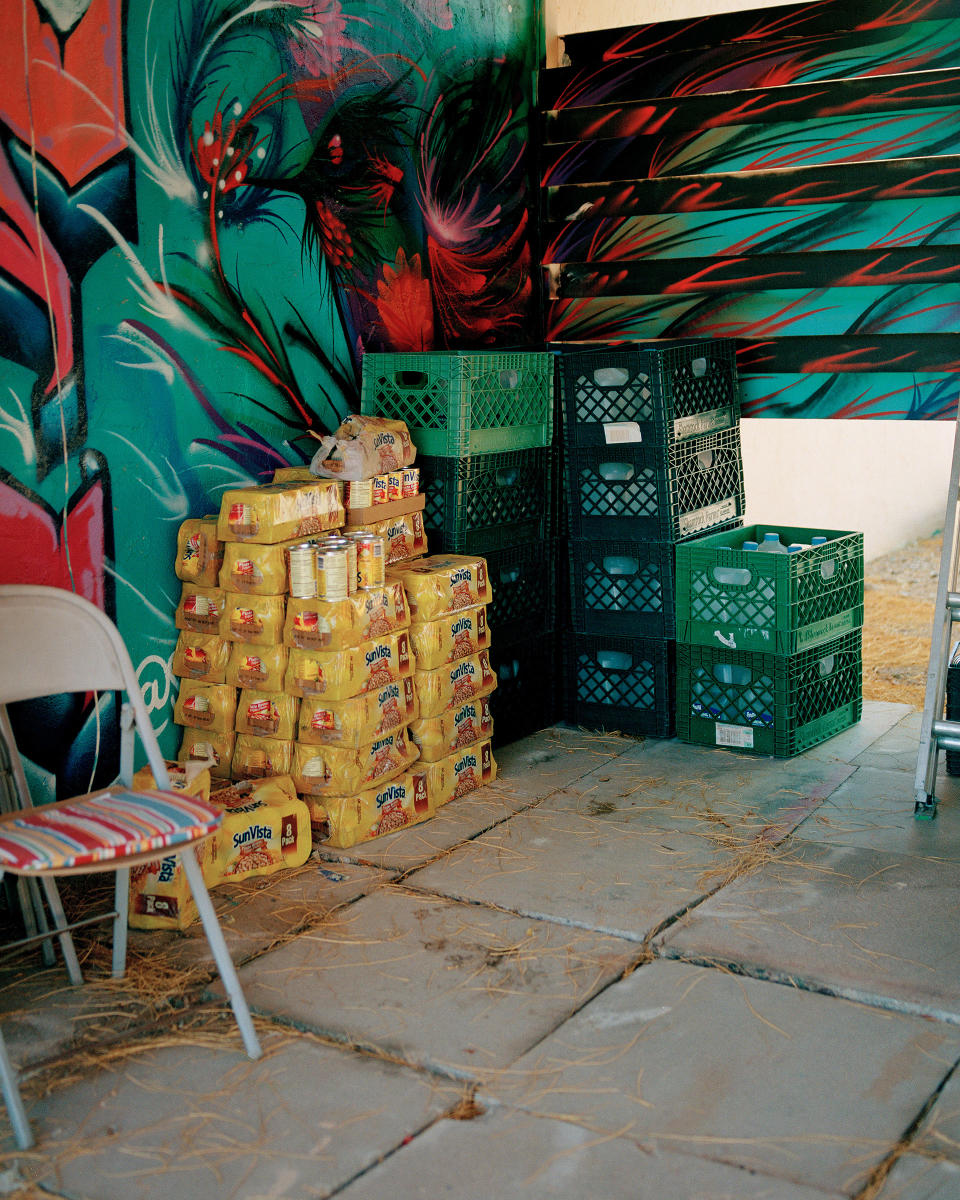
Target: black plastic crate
[[623, 589], [624, 684], [953, 705], [660, 392], [527, 697], [655, 493], [486, 501], [524, 586]]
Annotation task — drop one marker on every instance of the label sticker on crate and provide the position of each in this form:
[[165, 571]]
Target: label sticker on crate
[[706, 518], [617, 432], [740, 736], [698, 424]]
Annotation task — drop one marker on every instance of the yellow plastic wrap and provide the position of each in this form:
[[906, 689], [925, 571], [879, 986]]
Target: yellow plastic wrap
[[339, 624], [260, 757], [201, 609], [359, 720], [265, 827], [453, 730], [403, 537], [342, 770], [200, 745], [457, 774], [267, 714], [256, 570], [350, 672], [254, 620], [260, 667], [295, 474], [443, 583], [342, 821], [450, 638], [280, 511], [199, 551], [208, 706], [201, 656], [454, 684]]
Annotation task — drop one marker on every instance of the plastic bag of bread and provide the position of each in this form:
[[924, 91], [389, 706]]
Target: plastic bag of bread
[[359, 720], [363, 447], [457, 774], [256, 570], [257, 757], [403, 537], [208, 706], [443, 583], [453, 730], [259, 667], [454, 684], [265, 828], [349, 672], [338, 624], [341, 770], [213, 749], [199, 551], [278, 512], [201, 609], [267, 714], [342, 821], [201, 656], [254, 620], [449, 638]]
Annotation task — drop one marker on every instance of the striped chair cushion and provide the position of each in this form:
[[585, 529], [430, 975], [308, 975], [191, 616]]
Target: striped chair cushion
[[111, 824]]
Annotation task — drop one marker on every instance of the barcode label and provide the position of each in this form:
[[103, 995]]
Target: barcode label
[[740, 736], [616, 432]]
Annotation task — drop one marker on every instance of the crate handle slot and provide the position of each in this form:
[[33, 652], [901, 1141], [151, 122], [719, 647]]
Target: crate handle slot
[[828, 569], [706, 460], [411, 379], [615, 471], [826, 665], [509, 574], [507, 477], [508, 670], [739, 576], [614, 660], [699, 368], [510, 380], [731, 673], [621, 564], [611, 376]]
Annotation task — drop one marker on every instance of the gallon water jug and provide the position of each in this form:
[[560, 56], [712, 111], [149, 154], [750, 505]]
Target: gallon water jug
[[771, 544]]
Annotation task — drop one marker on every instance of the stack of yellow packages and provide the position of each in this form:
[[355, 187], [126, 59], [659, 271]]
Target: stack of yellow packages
[[447, 595]]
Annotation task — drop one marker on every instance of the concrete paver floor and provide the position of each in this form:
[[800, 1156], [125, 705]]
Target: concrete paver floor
[[629, 968]]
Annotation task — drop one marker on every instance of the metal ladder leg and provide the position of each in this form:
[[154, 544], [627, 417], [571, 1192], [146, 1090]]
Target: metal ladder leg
[[936, 733]]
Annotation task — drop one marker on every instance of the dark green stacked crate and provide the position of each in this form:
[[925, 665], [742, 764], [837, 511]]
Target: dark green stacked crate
[[769, 656], [482, 422], [651, 447]]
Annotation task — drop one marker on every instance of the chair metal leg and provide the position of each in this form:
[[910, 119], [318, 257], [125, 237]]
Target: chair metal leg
[[11, 1094], [66, 938], [34, 918], [120, 903], [221, 955]]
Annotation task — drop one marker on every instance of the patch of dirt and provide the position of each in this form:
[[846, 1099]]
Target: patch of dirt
[[900, 593]]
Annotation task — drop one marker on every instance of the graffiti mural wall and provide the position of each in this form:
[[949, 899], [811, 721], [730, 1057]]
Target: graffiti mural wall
[[210, 210]]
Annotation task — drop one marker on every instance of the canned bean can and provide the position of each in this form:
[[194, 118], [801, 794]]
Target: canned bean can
[[339, 542], [371, 561], [303, 570], [394, 485], [379, 489], [331, 573], [410, 481], [359, 493]]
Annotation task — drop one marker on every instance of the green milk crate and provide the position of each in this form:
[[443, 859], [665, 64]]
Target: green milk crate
[[773, 603], [769, 704]]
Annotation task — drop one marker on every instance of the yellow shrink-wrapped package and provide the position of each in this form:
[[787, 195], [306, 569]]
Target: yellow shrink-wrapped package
[[350, 672], [363, 447], [339, 624], [457, 774], [214, 749], [260, 757], [199, 551], [279, 512], [443, 583], [342, 821], [254, 620], [256, 570], [201, 656], [265, 827], [453, 730], [403, 537], [160, 897], [359, 720], [201, 609], [298, 474], [449, 638], [261, 667], [454, 684], [267, 714], [208, 706], [340, 770]]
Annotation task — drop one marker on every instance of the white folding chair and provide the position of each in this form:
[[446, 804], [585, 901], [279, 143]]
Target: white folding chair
[[55, 642]]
